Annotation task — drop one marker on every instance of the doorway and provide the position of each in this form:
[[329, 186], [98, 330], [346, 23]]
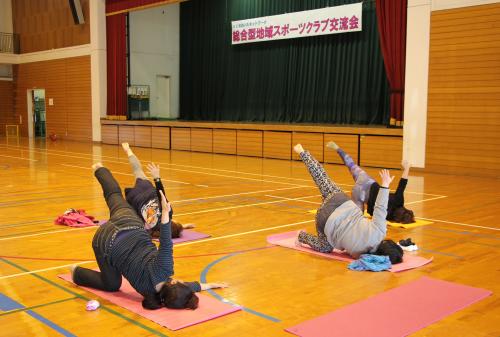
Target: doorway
[[36, 113]]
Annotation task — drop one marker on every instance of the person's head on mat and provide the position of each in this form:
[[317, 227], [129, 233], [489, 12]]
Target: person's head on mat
[[403, 215], [177, 229], [173, 294], [392, 250]]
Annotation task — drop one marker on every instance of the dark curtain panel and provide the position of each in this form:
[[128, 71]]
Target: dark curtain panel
[[392, 27], [324, 79], [116, 63]]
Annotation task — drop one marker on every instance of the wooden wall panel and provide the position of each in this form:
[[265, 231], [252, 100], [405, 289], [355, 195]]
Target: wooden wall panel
[[277, 145], [224, 141], [48, 24], [126, 134], [109, 134], [142, 136], [249, 143], [380, 151], [181, 139], [463, 118], [67, 83], [160, 137], [313, 142], [201, 140], [7, 113], [348, 143]]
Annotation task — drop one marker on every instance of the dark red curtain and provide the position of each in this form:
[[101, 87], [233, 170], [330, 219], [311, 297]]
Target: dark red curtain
[[113, 6], [391, 17], [116, 46]]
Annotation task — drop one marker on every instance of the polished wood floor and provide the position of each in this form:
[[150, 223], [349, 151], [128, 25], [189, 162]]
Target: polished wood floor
[[239, 201]]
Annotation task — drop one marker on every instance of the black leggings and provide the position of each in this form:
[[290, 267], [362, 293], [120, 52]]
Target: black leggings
[[122, 217]]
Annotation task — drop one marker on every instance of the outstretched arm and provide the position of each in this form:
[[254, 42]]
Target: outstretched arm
[[380, 209]]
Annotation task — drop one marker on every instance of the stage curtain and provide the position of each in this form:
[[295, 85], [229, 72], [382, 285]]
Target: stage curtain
[[116, 65], [391, 17], [325, 79]]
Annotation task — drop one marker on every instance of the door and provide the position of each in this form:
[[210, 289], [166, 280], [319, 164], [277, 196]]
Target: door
[[163, 96]]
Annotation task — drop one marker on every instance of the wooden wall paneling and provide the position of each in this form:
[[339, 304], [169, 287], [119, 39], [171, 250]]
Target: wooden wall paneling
[[7, 114], [201, 140], [249, 143], [44, 26], [313, 142], [78, 98], [224, 141], [277, 145], [142, 136], [109, 134], [348, 143], [181, 139], [463, 118], [160, 137], [126, 134], [381, 151]]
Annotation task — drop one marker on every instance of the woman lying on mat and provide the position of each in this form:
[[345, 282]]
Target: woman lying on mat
[[366, 189], [145, 198], [123, 247], [340, 223]]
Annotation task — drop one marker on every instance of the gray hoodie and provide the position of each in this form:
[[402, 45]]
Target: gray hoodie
[[347, 229]]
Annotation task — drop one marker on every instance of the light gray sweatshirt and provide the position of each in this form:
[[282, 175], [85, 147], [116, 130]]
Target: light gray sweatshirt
[[347, 229]]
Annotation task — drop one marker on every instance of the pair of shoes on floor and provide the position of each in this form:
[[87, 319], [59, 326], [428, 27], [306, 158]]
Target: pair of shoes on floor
[[408, 245]]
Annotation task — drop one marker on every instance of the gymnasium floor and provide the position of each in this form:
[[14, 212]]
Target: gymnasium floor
[[239, 201]]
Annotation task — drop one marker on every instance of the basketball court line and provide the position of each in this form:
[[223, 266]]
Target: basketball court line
[[223, 170]]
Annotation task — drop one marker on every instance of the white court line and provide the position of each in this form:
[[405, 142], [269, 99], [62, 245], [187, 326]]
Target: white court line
[[202, 211], [1, 155], [203, 168], [126, 174], [296, 199], [177, 245], [460, 224], [42, 270], [44, 233], [417, 201], [197, 172]]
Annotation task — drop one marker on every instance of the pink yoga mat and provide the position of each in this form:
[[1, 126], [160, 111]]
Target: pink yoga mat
[[208, 307], [288, 240], [188, 235], [394, 313]]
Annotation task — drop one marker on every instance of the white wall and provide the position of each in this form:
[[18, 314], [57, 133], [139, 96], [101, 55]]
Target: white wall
[[416, 80], [154, 50], [98, 75]]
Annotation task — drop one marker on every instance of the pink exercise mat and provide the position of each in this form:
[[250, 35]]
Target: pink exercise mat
[[288, 240], [394, 313], [208, 307], [188, 235]]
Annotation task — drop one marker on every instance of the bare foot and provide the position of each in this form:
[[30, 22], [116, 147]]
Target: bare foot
[[126, 147], [298, 148], [332, 145], [97, 166]]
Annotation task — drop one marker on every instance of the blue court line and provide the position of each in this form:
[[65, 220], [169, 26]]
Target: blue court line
[[14, 311], [103, 307], [203, 279], [6, 303]]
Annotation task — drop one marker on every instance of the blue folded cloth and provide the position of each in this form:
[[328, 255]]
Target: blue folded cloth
[[371, 262]]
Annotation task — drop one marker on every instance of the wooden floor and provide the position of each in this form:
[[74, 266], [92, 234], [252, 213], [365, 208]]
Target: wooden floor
[[239, 201]]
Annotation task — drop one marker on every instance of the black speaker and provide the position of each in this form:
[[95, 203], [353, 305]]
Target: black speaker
[[76, 10]]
